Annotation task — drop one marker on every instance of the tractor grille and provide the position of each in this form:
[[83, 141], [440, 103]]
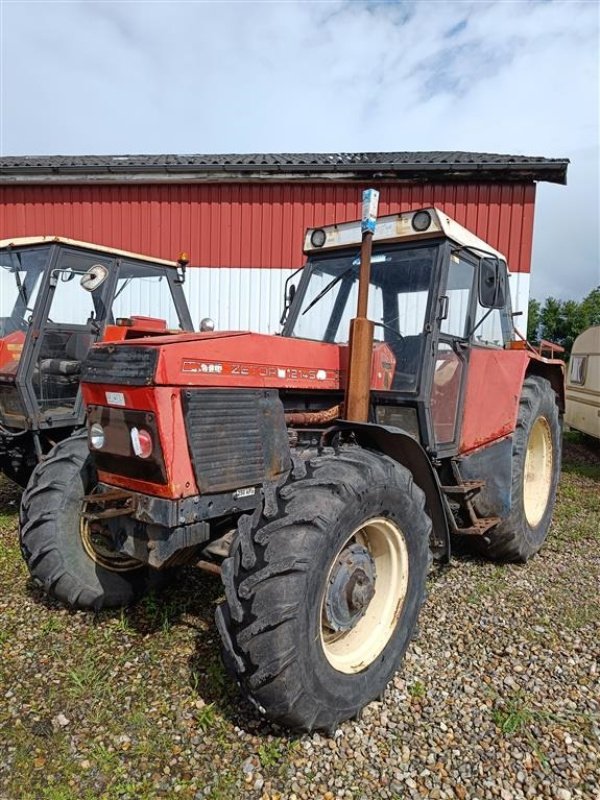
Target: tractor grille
[[237, 437], [129, 366]]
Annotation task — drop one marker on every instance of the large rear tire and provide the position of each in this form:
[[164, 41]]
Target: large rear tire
[[323, 589], [536, 458], [57, 546]]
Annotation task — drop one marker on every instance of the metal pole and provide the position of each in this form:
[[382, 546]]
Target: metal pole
[[358, 386]]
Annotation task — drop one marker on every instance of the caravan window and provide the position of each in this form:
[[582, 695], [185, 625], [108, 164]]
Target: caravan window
[[577, 373]]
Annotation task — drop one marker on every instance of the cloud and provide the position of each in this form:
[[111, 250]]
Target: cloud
[[521, 77]]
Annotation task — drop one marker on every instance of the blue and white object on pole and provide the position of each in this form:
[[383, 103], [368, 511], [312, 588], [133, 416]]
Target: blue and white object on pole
[[369, 210]]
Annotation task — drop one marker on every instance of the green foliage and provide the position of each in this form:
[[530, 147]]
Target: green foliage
[[416, 689], [270, 753], [562, 321], [533, 320]]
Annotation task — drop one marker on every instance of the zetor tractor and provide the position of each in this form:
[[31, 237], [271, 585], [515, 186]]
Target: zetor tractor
[[57, 297], [315, 477]]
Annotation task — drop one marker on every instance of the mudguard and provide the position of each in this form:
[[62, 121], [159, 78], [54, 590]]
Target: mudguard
[[406, 450]]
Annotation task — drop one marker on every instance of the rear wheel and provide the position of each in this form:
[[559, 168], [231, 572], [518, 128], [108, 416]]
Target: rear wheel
[[65, 555], [535, 472], [323, 592]]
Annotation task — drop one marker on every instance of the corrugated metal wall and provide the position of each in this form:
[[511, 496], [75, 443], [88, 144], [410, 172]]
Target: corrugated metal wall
[[245, 239], [252, 225]]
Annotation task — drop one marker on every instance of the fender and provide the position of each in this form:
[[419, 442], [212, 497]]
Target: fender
[[406, 450]]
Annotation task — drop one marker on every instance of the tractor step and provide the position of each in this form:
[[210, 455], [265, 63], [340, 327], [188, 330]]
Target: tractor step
[[462, 494], [479, 527]]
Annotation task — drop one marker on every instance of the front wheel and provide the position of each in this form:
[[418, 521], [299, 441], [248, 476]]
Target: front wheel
[[70, 560], [324, 594]]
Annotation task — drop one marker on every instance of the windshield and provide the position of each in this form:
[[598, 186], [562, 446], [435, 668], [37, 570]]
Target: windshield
[[398, 295], [399, 292], [21, 274], [145, 290]]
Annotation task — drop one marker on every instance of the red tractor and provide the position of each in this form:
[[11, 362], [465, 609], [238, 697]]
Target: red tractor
[[58, 297], [315, 477]]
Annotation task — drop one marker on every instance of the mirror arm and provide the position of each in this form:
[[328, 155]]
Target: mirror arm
[[480, 323]]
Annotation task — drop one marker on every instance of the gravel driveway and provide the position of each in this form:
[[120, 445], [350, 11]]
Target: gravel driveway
[[499, 696]]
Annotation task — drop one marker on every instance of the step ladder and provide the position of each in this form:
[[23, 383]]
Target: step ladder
[[462, 494]]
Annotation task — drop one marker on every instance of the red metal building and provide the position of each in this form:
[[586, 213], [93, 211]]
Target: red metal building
[[242, 217]]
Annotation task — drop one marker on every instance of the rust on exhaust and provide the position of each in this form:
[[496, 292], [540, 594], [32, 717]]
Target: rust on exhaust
[[313, 417]]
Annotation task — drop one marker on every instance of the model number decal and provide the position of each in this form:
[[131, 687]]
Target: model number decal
[[258, 370]]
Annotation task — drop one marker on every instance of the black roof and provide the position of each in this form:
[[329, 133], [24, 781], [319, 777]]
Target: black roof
[[422, 166]]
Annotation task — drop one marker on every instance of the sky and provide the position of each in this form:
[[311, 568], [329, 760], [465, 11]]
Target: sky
[[94, 77]]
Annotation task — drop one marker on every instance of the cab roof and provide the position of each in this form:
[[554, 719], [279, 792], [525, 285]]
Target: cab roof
[[28, 241], [398, 228]]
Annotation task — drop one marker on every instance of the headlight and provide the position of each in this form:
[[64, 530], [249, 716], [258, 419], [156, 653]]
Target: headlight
[[141, 441], [318, 237], [97, 436], [421, 221]]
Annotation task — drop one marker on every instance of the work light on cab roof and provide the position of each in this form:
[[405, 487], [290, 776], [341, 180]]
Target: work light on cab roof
[[424, 223]]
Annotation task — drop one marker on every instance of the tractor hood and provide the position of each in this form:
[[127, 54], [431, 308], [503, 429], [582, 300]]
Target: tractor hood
[[219, 359]]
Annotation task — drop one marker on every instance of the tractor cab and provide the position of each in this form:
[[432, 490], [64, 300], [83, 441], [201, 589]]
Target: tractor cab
[[58, 297], [435, 291]]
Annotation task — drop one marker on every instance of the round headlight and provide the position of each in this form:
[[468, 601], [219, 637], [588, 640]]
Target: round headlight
[[421, 221], [318, 237], [141, 441], [97, 436]]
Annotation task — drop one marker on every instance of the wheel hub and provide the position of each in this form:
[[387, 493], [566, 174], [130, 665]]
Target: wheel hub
[[351, 588]]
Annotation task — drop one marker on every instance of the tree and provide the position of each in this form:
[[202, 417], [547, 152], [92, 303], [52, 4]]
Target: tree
[[562, 321], [533, 320]]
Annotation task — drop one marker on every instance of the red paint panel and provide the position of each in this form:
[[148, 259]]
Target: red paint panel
[[252, 225], [494, 381], [165, 404]]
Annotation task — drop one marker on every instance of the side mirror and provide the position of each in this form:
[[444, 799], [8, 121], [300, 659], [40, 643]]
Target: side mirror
[[93, 278], [492, 282], [288, 299]]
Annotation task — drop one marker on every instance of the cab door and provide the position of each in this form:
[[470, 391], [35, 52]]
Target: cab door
[[450, 367]]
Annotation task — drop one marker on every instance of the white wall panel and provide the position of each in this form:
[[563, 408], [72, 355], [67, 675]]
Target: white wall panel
[[252, 299], [237, 299]]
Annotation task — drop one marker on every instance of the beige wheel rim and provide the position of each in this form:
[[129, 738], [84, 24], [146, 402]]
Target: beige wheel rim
[[97, 544], [537, 479], [353, 650]]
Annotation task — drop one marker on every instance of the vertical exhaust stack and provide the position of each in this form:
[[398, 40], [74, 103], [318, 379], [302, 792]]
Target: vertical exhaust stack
[[358, 384]]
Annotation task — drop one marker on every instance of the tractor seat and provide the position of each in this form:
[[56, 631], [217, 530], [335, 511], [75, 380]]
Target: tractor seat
[[407, 352], [76, 349]]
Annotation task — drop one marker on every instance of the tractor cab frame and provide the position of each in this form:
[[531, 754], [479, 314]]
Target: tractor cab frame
[[57, 298], [432, 299]]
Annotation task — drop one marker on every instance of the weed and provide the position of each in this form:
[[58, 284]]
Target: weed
[[270, 753], [206, 717], [52, 625], [416, 689], [514, 716], [122, 623]]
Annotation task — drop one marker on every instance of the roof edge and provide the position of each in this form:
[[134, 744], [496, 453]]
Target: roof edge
[[426, 167]]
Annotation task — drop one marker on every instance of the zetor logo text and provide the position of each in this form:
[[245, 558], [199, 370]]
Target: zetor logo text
[[258, 370]]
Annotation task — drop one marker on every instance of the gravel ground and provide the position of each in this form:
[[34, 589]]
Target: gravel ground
[[499, 695]]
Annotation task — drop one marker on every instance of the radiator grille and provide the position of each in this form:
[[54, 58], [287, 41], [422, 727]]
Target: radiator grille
[[129, 366], [237, 437]]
